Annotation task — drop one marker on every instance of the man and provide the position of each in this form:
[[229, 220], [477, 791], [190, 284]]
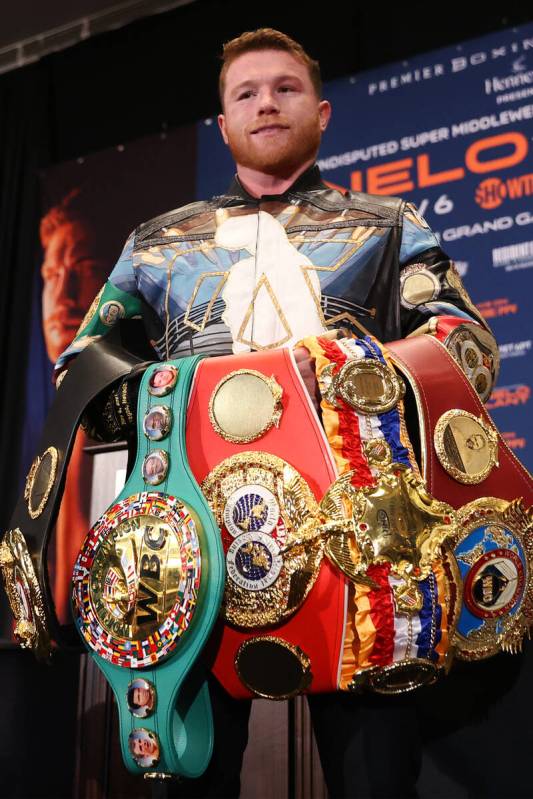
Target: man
[[279, 257]]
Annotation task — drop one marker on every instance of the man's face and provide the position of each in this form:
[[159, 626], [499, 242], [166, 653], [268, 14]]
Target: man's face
[[144, 747], [72, 275], [141, 696], [273, 119]]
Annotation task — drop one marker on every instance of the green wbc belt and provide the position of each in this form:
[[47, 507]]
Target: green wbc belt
[[147, 587]]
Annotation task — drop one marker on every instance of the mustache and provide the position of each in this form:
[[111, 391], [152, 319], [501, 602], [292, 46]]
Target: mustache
[[266, 122]]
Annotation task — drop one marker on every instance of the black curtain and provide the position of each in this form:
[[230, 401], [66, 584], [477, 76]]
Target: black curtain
[[23, 148]]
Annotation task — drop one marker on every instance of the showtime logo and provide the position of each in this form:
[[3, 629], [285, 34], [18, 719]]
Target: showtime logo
[[506, 396], [493, 191]]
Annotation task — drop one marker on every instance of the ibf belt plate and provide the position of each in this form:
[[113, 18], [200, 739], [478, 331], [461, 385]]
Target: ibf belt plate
[[269, 520], [494, 553], [136, 579]]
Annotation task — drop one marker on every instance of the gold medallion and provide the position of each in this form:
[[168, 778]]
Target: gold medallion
[[244, 405], [394, 521], [40, 481], [136, 579], [366, 385], [403, 676], [271, 531], [91, 312], [273, 668], [418, 286], [476, 352], [378, 452], [466, 446], [24, 594], [494, 552]]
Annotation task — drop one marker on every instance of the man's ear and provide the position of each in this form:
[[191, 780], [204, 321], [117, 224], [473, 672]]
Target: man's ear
[[222, 125], [324, 113]]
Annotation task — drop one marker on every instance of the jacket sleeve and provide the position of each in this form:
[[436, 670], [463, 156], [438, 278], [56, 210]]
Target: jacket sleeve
[[118, 298], [433, 300], [430, 286], [111, 415]]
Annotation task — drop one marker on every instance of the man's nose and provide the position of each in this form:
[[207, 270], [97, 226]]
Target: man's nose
[[268, 102]]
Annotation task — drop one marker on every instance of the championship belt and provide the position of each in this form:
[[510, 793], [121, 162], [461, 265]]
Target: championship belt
[[466, 463], [23, 551], [282, 633], [147, 586], [256, 445], [404, 593]]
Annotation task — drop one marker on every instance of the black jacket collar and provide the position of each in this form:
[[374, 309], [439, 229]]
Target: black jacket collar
[[309, 180]]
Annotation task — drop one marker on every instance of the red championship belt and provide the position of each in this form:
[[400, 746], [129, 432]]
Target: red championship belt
[[466, 463], [256, 446], [463, 455]]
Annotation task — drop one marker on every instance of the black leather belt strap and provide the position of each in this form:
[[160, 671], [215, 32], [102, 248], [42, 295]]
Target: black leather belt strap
[[97, 367]]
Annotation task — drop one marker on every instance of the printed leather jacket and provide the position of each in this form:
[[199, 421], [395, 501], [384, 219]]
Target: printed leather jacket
[[236, 273]]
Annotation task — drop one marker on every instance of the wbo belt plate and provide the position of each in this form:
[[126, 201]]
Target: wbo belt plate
[[466, 446], [494, 552], [136, 579], [269, 520]]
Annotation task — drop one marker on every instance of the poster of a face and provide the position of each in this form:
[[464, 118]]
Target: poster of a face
[[89, 207]]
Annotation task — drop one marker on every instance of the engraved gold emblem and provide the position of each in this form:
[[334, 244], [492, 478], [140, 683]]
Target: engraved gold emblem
[[378, 452], [136, 579], [40, 481], [394, 521], [466, 446], [273, 668], [271, 530], [494, 552], [245, 405], [24, 594], [418, 286], [91, 312], [402, 677], [366, 385]]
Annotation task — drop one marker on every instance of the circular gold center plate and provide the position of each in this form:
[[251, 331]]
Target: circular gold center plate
[[244, 405], [273, 668], [466, 446], [419, 288], [369, 386]]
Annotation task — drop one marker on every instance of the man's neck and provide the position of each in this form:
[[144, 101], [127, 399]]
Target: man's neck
[[258, 183]]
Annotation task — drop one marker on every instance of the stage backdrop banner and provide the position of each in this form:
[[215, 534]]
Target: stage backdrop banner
[[90, 205], [450, 131]]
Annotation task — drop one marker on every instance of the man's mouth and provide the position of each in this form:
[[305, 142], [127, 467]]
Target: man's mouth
[[265, 130]]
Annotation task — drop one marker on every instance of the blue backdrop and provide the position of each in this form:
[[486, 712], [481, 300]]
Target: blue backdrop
[[451, 131]]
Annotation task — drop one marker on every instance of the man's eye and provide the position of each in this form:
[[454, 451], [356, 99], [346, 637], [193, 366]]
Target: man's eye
[[285, 89], [245, 95]]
